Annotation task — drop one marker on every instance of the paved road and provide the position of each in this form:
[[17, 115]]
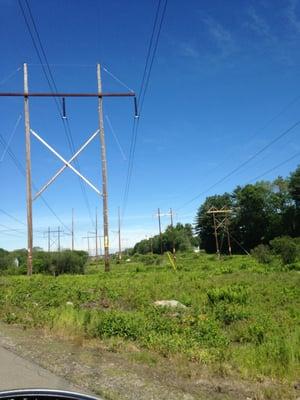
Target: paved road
[[16, 372]]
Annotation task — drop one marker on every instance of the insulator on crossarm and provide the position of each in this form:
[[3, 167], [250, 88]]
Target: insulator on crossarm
[[64, 108], [136, 114]]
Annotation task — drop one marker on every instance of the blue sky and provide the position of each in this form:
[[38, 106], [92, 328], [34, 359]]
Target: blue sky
[[225, 81]]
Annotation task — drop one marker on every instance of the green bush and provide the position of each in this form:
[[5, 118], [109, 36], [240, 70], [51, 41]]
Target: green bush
[[231, 294], [262, 254], [286, 248]]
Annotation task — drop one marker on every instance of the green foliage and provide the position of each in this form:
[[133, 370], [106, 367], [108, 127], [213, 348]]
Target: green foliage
[[181, 237], [231, 294], [246, 321], [261, 212], [286, 248], [262, 254]]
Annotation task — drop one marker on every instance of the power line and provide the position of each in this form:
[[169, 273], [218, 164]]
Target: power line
[[8, 77], [11, 137], [23, 172], [278, 137], [275, 167], [53, 88], [151, 52], [12, 217]]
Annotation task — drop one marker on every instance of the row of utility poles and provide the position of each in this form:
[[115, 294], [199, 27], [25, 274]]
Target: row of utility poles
[[54, 236], [66, 163]]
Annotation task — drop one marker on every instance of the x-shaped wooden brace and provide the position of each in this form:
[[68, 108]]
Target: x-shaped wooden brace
[[66, 163]]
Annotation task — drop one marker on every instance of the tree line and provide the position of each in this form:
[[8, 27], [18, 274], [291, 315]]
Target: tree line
[[260, 212]]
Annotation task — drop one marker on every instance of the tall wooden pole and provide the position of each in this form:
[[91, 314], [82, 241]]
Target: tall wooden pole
[[159, 227], [173, 234], [96, 236], [72, 229], [104, 172], [119, 234], [216, 235], [48, 239], [228, 236], [58, 238], [28, 174]]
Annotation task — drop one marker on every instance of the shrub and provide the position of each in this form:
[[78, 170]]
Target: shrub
[[228, 313], [286, 248], [262, 254], [231, 294]]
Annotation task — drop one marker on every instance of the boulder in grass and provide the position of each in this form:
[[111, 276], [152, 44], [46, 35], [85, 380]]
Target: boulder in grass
[[169, 304]]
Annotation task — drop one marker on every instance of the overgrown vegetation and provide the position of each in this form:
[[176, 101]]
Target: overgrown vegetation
[[54, 263], [242, 318]]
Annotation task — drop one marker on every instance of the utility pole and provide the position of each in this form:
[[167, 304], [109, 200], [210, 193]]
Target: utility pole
[[172, 226], [228, 237], [119, 234], [221, 221], [72, 229], [96, 236], [104, 172], [25, 94], [159, 227], [58, 239], [48, 239], [28, 174]]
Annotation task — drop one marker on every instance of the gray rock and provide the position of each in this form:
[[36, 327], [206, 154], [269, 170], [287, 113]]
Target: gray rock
[[169, 303]]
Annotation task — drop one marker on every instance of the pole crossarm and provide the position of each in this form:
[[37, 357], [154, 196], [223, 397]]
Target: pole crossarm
[[64, 161], [34, 94], [65, 166]]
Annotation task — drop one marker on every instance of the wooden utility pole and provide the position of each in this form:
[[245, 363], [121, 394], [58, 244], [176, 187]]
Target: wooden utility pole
[[96, 236], [172, 226], [104, 172], [119, 234], [228, 237], [159, 227], [221, 221], [28, 174], [72, 229], [216, 236], [48, 239], [58, 239]]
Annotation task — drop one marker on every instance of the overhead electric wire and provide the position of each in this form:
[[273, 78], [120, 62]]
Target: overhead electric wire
[[116, 137], [8, 77], [22, 170], [12, 217], [11, 137], [151, 52], [53, 88], [275, 167], [278, 137]]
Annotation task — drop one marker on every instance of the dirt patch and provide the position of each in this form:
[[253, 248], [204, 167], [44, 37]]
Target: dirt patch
[[117, 371]]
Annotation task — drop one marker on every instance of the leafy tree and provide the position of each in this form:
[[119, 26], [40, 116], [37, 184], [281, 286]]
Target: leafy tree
[[204, 222]]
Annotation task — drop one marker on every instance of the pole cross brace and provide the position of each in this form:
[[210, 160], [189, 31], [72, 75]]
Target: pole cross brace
[[66, 163]]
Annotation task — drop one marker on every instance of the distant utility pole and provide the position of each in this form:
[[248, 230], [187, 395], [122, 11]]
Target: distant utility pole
[[119, 234], [58, 239], [48, 239], [172, 226], [66, 163], [159, 227], [72, 229], [221, 222], [57, 233]]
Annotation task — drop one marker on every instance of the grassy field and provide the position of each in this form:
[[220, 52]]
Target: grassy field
[[242, 318]]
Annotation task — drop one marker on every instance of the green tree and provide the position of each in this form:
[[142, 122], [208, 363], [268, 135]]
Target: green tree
[[204, 222]]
